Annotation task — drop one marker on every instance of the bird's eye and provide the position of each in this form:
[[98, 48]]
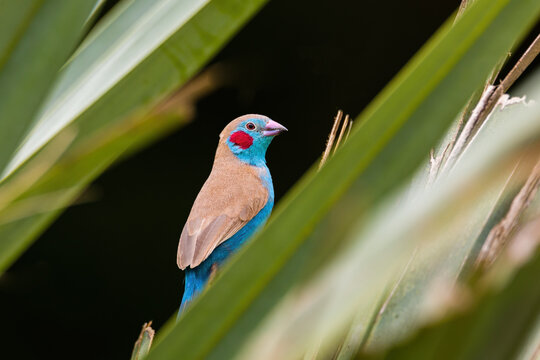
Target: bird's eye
[[250, 126]]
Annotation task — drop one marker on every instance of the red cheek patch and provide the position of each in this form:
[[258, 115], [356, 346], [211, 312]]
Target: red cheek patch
[[241, 139]]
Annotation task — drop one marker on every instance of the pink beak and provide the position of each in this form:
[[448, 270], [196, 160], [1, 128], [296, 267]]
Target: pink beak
[[273, 128]]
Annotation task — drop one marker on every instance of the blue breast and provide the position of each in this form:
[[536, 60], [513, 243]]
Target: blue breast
[[196, 278]]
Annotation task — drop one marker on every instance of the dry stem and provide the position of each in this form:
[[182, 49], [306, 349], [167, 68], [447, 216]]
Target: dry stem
[[331, 137], [488, 101], [144, 342], [343, 129], [500, 233]]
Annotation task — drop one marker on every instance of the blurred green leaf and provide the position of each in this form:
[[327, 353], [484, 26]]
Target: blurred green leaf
[[64, 174], [36, 38], [530, 349], [141, 51], [494, 328], [447, 257], [419, 104], [101, 105], [408, 240]]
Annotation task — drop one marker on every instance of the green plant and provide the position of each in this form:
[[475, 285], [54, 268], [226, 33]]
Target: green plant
[[342, 239], [70, 113], [364, 252]]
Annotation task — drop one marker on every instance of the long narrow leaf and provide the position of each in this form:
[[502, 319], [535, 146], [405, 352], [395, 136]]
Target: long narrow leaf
[[139, 53], [419, 240], [495, 328], [36, 38], [142, 51], [23, 218], [403, 308], [378, 155]]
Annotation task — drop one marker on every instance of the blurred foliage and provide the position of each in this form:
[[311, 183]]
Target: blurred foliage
[[290, 292], [68, 114], [376, 249], [496, 326]]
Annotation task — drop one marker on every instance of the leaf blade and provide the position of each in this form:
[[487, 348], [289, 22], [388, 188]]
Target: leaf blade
[[48, 28], [119, 51], [364, 163]]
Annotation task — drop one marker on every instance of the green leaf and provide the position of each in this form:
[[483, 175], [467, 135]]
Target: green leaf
[[404, 310], [419, 104], [141, 52], [36, 38], [447, 257], [411, 232], [494, 328], [35, 196], [529, 347]]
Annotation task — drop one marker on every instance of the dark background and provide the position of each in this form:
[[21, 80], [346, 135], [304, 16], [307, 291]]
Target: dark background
[[84, 289]]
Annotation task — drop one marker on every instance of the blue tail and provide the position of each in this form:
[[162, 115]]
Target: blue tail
[[195, 282], [197, 278]]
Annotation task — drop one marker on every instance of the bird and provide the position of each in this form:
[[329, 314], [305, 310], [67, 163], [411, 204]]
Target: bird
[[235, 201]]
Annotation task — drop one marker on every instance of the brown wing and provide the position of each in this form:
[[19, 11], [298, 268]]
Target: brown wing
[[227, 202]]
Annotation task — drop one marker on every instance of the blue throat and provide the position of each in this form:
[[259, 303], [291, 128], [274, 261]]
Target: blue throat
[[254, 155]]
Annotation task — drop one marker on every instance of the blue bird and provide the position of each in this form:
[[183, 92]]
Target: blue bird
[[235, 201]]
